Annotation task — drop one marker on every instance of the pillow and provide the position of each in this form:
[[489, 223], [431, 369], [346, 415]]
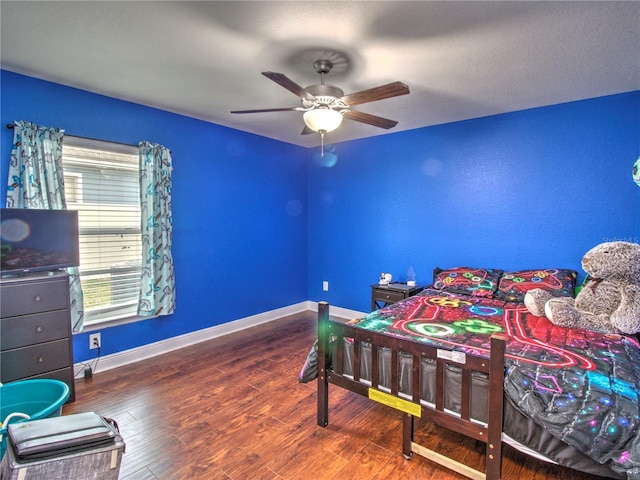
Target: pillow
[[477, 282], [557, 281]]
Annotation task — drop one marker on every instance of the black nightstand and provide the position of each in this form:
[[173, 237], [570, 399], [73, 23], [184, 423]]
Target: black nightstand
[[383, 295]]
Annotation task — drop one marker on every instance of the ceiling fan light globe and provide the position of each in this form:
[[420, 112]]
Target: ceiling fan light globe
[[322, 119]]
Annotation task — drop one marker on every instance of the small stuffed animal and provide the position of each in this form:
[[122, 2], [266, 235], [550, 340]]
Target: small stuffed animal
[[609, 300]]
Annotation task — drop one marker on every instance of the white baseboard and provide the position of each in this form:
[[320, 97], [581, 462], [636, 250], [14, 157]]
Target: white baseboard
[[338, 312], [137, 354]]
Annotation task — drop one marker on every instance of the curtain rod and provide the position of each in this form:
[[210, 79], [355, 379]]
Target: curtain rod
[[11, 126]]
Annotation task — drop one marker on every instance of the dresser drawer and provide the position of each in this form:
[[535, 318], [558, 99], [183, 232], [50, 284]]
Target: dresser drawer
[[64, 375], [34, 360], [23, 298], [389, 296], [36, 328]]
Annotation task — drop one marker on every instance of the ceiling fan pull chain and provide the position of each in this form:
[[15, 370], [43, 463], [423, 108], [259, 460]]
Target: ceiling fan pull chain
[[321, 144]]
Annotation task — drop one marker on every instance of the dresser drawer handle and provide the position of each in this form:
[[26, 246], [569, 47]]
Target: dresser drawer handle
[[40, 359], [37, 298], [39, 329]]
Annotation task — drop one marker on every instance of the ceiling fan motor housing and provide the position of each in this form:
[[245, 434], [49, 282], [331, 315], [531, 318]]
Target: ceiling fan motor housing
[[325, 95]]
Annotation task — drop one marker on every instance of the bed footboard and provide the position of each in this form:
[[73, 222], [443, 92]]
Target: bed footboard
[[331, 356]]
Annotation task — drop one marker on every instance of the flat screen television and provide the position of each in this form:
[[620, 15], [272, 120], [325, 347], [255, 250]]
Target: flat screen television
[[38, 240]]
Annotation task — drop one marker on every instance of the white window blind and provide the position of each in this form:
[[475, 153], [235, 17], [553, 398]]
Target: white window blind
[[101, 183]]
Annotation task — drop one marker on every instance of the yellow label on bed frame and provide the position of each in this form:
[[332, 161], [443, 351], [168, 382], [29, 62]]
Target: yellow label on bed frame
[[395, 402]]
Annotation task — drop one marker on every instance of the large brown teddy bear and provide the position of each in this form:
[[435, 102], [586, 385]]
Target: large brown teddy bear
[[609, 300]]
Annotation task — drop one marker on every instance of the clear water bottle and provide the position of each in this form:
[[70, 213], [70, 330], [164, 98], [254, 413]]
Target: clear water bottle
[[411, 277]]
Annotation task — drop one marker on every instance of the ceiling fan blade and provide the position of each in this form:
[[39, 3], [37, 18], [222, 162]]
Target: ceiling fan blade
[[290, 109], [377, 93], [289, 84], [370, 119]]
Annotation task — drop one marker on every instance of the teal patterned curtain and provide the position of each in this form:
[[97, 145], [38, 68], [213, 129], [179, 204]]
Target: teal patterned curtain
[[157, 295], [36, 180]]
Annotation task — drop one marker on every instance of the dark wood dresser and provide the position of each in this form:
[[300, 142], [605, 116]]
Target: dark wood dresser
[[35, 328]]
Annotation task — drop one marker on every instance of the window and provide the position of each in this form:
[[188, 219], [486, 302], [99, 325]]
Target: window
[[101, 183]]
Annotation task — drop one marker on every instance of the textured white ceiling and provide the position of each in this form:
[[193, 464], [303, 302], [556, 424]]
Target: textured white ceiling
[[461, 60]]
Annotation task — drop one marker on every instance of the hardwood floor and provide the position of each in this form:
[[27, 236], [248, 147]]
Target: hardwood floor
[[231, 408]]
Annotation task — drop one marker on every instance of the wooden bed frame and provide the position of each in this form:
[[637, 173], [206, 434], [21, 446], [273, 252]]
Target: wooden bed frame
[[490, 434]]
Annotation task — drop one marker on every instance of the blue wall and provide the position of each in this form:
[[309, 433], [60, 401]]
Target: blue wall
[[529, 189], [239, 247], [535, 188]]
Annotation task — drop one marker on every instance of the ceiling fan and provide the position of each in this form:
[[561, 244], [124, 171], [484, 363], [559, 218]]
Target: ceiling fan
[[325, 105]]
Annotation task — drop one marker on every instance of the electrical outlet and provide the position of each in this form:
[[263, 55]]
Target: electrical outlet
[[325, 286], [95, 341]]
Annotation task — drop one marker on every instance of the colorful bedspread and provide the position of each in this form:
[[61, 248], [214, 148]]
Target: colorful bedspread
[[582, 386]]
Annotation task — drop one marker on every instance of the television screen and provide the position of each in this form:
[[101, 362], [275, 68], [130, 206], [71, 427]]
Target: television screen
[[38, 240]]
